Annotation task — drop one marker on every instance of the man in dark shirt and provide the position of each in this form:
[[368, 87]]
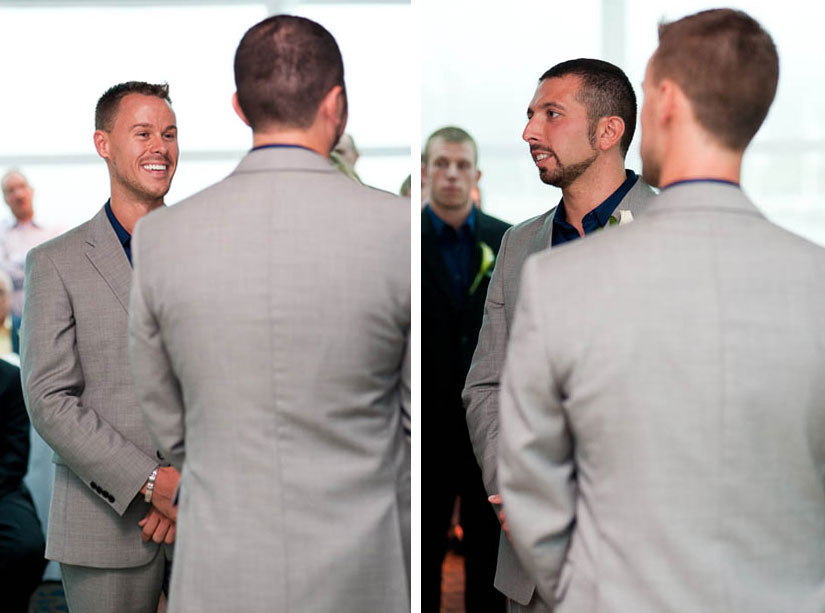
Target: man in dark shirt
[[458, 247], [580, 123], [22, 547]]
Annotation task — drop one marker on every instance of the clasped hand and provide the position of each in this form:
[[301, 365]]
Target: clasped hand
[[159, 523]]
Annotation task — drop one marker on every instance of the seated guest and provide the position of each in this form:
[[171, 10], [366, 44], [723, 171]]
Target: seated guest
[[6, 349], [22, 546]]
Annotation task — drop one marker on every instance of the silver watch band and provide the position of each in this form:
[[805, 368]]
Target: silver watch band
[[150, 485]]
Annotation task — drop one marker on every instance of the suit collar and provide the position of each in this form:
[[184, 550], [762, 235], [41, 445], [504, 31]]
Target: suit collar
[[284, 158], [703, 196], [107, 256]]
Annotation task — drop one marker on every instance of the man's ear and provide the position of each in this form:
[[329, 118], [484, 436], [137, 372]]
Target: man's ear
[[332, 105], [609, 132], [478, 176], [423, 170], [669, 98], [101, 139], [237, 106]]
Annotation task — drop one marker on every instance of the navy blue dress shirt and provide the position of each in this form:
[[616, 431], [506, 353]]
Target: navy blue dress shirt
[[564, 232], [457, 248], [122, 234]]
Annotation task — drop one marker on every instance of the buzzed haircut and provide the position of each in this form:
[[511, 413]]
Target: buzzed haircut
[[728, 67], [284, 66], [109, 102], [605, 92], [450, 134]]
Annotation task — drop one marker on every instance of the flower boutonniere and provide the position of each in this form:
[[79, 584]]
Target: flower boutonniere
[[488, 258], [623, 218]]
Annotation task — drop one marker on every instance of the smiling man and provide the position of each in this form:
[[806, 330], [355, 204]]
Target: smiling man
[[580, 123], [110, 480]]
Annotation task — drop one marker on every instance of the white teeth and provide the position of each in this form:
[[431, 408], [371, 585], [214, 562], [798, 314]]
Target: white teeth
[[154, 166], [541, 156]]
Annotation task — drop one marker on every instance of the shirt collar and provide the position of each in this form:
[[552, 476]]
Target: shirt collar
[[282, 146], [603, 212], [724, 181], [439, 224], [22, 224], [122, 234]]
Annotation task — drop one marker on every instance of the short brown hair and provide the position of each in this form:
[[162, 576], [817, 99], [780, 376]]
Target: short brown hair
[[450, 134], [728, 67], [284, 66], [109, 102]]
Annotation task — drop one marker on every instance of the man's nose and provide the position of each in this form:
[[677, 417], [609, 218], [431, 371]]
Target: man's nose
[[159, 144], [530, 132]]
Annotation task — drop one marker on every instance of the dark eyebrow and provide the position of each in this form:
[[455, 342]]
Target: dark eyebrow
[[552, 104], [149, 125], [546, 105]]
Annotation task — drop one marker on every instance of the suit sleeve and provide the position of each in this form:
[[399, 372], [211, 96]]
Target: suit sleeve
[[481, 389], [405, 385], [53, 384], [158, 389], [536, 469]]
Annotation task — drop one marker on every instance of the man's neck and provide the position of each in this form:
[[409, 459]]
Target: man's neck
[[452, 216], [309, 139], [591, 189], [710, 163], [129, 210]]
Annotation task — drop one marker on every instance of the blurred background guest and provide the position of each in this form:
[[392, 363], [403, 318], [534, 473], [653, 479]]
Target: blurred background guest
[[17, 236]]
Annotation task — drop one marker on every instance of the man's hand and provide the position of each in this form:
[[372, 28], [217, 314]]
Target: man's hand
[[165, 485], [158, 527], [495, 500]]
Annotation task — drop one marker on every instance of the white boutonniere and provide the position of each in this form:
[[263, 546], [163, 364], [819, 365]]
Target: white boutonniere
[[623, 218], [485, 269]]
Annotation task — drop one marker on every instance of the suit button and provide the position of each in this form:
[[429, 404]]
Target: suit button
[[160, 456], [104, 493], [111, 498], [94, 485]]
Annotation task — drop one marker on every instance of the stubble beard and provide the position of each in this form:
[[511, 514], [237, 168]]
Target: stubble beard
[[564, 176], [141, 192]]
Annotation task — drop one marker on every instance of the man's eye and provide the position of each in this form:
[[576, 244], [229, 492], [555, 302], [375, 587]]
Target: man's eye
[[553, 114], [170, 136], [441, 163]]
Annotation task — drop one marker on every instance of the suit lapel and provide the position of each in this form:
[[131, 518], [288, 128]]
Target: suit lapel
[[107, 256], [542, 238], [431, 257]]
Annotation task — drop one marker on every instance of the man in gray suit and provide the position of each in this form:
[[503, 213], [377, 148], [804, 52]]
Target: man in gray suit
[[662, 421], [290, 418], [579, 126], [109, 481]]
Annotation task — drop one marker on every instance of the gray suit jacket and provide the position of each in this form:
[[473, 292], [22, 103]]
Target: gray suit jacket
[[481, 394], [79, 394], [270, 346], [670, 455]]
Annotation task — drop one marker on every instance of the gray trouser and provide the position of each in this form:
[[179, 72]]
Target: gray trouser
[[116, 590]]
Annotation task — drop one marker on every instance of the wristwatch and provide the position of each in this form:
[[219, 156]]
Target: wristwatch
[[150, 485]]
